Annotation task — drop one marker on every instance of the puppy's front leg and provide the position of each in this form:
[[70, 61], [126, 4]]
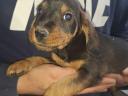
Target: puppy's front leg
[[22, 66], [71, 85]]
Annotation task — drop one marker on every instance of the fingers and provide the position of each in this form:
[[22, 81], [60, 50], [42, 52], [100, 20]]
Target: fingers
[[107, 82], [125, 75], [119, 79], [125, 72], [102, 87], [122, 79]]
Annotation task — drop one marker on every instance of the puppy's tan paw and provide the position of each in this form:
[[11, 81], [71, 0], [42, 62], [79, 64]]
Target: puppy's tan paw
[[23, 66], [19, 68]]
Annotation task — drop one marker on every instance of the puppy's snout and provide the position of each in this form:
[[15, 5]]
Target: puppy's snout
[[41, 34]]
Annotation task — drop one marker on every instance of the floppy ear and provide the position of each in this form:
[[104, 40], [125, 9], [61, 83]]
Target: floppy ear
[[88, 29], [31, 32], [86, 25]]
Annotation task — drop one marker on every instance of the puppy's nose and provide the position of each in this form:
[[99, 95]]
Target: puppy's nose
[[41, 34]]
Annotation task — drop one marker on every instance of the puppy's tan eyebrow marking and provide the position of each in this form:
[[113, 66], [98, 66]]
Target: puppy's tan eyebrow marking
[[64, 8], [44, 5]]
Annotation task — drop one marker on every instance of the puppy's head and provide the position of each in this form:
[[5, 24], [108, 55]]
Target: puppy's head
[[57, 23]]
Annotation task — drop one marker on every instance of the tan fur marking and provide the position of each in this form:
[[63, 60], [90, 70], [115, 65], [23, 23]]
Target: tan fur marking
[[23, 66], [64, 87], [76, 64], [45, 4], [57, 37], [86, 32], [64, 8]]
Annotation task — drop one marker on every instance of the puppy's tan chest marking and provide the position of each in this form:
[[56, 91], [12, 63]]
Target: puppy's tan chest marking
[[76, 64]]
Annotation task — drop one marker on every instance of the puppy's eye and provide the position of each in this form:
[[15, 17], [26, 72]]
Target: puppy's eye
[[67, 16]]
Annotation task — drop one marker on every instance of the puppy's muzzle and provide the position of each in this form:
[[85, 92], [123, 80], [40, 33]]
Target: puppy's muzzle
[[41, 33]]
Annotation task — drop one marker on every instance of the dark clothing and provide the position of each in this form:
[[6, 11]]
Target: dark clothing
[[7, 85], [14, 45], [120, 20], [117, 22]]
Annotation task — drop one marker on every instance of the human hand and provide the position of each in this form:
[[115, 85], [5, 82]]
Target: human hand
[[40, 78], [108, 81]]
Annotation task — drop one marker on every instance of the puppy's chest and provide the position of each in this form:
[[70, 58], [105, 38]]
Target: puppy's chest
[[73, 51], [70, 54]]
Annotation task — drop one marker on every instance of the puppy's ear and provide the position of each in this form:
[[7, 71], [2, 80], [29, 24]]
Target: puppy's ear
[[86, 25], [31, 32], [88, 29]]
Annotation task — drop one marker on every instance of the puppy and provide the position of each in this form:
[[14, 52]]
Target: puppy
[[62, 28]]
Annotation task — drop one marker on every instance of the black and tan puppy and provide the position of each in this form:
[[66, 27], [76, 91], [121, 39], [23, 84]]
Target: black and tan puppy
[[62, 28]]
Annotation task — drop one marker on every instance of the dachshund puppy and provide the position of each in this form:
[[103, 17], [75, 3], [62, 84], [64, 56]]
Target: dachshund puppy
[[63, 29]]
